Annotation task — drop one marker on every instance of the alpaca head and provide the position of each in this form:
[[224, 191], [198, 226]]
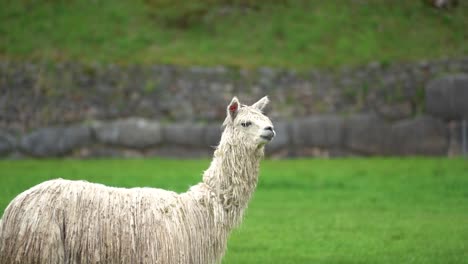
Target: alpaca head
[[247, 125]]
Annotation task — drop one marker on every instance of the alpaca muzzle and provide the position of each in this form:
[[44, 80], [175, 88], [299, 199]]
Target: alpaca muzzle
[[268, 133]]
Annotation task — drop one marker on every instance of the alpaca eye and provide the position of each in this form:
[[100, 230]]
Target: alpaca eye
[[246, 124]]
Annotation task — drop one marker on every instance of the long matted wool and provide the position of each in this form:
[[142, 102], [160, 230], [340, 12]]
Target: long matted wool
[[63, 221]]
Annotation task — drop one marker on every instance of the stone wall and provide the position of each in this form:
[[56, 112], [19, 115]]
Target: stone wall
[[109, 110]]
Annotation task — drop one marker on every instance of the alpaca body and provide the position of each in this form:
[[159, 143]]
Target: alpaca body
[[63, 221], [112, 225]]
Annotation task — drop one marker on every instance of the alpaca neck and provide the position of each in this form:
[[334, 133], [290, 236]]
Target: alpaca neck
[[232, 177]]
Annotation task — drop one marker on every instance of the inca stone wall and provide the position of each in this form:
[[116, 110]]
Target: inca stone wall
[[108, 110]]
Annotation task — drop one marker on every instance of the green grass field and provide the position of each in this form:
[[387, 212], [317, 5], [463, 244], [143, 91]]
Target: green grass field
[[397, 210], [299, 34]]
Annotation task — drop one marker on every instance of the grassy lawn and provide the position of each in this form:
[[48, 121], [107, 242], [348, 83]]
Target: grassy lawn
[[398, 210], [299, 34]]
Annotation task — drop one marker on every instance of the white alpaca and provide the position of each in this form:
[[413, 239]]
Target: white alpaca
[[61, 221]]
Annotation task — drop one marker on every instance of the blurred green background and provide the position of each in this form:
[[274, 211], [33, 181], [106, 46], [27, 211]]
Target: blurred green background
[[294, 34]]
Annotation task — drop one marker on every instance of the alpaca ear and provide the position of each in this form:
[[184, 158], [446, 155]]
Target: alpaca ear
[[261, 103], [233, 108]]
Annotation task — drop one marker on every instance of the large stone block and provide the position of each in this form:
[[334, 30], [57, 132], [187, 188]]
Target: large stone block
[[395, 111], [447, 97], [132, 133], [457, 137], [7, 143], [185, 134], [212, 135], [367, 134], [55, 141], [318, 131], [419, 136], [282, 138]]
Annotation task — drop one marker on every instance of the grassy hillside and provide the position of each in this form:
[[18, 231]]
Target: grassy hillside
[[294, 34], [410, 210]]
